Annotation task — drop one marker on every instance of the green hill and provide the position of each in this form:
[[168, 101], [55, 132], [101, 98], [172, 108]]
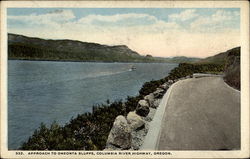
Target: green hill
[[232, 68], [29, 48], [183, 59], [231, 62], [220, 58]]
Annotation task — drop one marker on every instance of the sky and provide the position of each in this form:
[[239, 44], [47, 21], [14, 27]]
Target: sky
[[162, 32]]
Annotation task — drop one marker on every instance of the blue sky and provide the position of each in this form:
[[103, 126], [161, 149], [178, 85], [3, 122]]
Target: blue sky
[[156, 31]]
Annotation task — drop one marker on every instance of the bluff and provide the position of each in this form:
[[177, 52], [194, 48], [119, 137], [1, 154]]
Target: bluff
[[220, 58], [232, 68], [30, 48], [230, 60]]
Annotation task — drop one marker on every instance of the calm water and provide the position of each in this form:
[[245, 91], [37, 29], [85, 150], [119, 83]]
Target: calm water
[[42, 91]]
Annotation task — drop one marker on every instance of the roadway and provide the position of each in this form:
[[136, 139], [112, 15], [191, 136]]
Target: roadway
[[201, 114]]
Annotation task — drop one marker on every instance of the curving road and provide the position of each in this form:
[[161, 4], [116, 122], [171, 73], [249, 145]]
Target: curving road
[[201, 114]]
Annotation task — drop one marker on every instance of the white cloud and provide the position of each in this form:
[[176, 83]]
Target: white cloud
[[116, 18], [65, 19], [221, 19], [184, 15], [49, 19], [222, 15]]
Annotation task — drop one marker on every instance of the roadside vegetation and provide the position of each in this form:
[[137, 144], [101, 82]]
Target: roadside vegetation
[[231, 63], [232, 68]]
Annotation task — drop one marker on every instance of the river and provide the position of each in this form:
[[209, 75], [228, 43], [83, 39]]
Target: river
[[47, 91]]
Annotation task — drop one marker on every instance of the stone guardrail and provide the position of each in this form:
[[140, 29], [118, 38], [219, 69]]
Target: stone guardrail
[[152, 137], [128, 132], [141, 128]]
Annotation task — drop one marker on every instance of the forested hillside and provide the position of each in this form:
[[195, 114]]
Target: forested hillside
[[230, 60], [232, 68], [27, 48]]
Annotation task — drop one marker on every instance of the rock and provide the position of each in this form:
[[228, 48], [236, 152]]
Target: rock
[[138, 137], [142, 108], [150, 115], [170, 81], [120, 134], [110, 147], [150, 99], [160, 89], [135, 121], [164, 86], [156, 103], [143, 103], [159, 93], [190, 76]]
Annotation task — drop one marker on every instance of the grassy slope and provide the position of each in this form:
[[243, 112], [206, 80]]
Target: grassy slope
[[231, 61]]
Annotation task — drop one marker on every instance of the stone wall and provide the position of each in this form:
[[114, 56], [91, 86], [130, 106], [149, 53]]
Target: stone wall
[[128, 132]]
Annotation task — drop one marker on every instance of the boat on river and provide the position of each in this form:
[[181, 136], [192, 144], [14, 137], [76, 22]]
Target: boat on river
[[133, 68]]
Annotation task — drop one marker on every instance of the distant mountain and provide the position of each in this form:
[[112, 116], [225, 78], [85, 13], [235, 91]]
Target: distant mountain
[[29, 48], [220, 58], [22, 47], [183, 59]]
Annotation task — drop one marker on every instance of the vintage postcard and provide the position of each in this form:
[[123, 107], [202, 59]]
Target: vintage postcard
[[124, 79]]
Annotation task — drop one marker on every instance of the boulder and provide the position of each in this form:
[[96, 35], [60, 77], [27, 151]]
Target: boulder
[[159, 93], [150, 99], [120, 134], [135, 121], [150, 116], [165, 86], [170, 81], [143, 103], [138, 137], [142, 108], [156, 103]]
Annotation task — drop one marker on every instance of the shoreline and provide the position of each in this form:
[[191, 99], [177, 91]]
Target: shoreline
[[86, 61]]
